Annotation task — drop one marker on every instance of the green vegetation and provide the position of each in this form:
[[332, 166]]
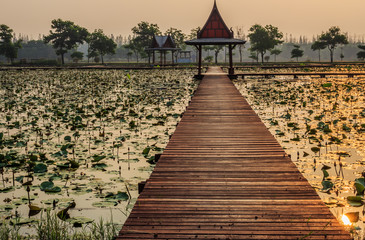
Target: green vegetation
[[77, 56], [143, 33], [331, 39], [296, 52], [79, 141], [65, 36], [51, 227], [320, 122], [101, 44], [318, 46], [361, 54], [264, 39], [8, 48], [275, 52]]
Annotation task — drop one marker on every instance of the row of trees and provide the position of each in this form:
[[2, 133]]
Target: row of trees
[[66, 36], [264, 39]]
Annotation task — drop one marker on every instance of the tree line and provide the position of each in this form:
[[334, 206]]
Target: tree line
[[65, 36]]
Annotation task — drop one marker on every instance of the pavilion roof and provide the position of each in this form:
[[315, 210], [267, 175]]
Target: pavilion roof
[[215, 31], [215, 27], [163, 42]]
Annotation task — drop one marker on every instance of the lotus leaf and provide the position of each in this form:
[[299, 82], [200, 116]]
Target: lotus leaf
[[79, 221], [97, 158], [22, 221], [360, 186], [355, 201], [105, 204], [40, 168]]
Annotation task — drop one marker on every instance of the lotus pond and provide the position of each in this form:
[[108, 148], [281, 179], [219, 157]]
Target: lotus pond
[[78, 142], [320, 122]]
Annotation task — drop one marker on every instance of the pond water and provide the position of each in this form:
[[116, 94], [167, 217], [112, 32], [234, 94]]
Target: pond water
[[83, 139], [320, 122]]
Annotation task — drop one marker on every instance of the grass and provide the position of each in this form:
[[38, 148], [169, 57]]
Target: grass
[[50, 227]]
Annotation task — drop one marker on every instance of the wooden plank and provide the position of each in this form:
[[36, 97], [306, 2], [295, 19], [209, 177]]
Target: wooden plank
[[224, 176]]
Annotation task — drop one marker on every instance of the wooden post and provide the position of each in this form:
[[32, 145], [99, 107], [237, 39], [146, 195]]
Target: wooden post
[[153, 57], [164, 57], [172, 57], [200, 60], [231, 69], [160, 57]]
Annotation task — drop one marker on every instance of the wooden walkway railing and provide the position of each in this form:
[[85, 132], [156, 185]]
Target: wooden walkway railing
[[297, 74], [224, 176]]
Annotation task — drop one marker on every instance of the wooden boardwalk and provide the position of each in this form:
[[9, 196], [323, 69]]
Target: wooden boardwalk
[[224, 176]]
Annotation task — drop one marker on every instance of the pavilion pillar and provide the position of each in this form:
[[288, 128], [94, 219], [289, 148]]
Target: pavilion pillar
[[160, 57], [164, 57], [153, 57], [231, 69], [172, 57], [200, 60]]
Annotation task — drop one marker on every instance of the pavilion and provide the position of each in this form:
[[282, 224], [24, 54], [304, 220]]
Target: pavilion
[[215, 32], [163, 45]]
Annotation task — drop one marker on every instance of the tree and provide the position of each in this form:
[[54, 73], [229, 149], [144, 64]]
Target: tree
[[217, 49], [254, 56], [179, 38], [8, 48], [36, 49], [296, 52], [143, 35], [65, 37], [240, 35], [209, 59], [193, 35], [275, 52], [332, 38], [102, 44], [318, 45], [77, 56], [92, 54], [129, 55], [342, 56], [135, 47], [361, 54], [264, 38]]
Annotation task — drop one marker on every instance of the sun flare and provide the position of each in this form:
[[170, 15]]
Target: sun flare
[[346, 220]]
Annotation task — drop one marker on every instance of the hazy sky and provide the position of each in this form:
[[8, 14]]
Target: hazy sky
[[305, 17]]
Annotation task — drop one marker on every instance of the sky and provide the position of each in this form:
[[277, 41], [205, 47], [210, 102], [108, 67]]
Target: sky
[[306, 17]]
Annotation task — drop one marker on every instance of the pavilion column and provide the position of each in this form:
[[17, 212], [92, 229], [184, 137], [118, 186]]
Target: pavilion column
[[164, 57], [153, 57], [172, 57], [160, 57], [200, 60], [231, 69]]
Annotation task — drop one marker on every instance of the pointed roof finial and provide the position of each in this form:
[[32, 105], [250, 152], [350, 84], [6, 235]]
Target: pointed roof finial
[[215, 3]]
